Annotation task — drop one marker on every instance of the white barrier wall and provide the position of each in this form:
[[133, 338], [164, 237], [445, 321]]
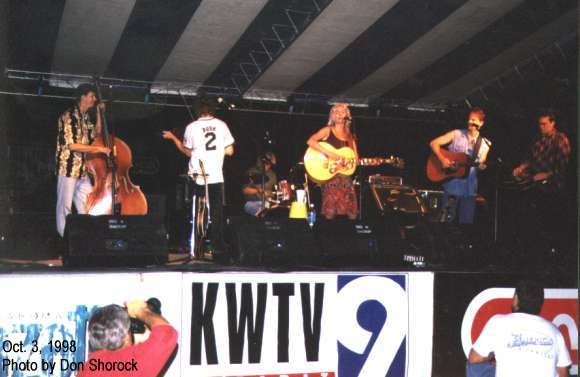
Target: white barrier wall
[[234, 324]]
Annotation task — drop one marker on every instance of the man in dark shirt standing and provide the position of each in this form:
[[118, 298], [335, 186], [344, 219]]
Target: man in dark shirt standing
[[548, 156], [546, 202], [76, 133]]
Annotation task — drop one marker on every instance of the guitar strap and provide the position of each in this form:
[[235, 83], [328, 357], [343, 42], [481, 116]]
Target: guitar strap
[[476, 147]]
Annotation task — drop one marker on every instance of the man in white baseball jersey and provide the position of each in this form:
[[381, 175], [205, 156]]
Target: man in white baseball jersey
[[524, 344], [206, 141]]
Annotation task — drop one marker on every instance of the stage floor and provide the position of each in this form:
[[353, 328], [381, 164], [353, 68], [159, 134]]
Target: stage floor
[[179, 261]]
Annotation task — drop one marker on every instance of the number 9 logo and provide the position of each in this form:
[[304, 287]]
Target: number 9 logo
[[350, 300]]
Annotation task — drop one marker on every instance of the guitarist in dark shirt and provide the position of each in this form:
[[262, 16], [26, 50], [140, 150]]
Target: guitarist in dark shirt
[[548, 156], [544, 207]]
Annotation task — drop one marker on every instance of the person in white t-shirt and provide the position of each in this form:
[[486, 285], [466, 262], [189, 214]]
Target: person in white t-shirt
[[523, 343], [206, 142]]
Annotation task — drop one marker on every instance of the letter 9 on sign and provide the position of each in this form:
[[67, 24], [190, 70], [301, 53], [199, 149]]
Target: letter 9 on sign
[[373, 312], [560, 307]]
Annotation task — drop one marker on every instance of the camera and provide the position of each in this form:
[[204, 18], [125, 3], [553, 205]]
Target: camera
[[137, 326]]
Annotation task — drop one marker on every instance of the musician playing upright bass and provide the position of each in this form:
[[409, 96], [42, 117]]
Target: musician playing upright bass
[[76, 132], [469, 141], [338, 194]]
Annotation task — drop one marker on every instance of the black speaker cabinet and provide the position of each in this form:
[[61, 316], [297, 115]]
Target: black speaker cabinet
[[346, 243], [115, 241], [273, 241]]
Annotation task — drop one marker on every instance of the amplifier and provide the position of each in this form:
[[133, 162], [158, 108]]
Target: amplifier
[[115, 240], [404, 199], [347, 243], [273, 241], [385, 180]]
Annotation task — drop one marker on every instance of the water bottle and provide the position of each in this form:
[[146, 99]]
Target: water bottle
[[311, 216]]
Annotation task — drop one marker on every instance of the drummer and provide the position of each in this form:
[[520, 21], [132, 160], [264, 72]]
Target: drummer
[[253, 191]]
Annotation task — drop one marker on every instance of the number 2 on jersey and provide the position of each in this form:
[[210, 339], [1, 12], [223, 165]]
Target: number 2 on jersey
[[209, 141]]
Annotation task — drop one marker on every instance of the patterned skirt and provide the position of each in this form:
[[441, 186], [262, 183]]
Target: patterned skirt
[[339, 197]]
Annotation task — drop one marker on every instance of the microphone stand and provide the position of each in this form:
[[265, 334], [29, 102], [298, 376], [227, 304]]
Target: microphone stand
[[359, 178], [267, 140], [202, 228], [207, 204], [496, 201], [263, 184]]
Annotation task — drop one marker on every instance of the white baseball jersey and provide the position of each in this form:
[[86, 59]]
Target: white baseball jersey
[[207, 138]]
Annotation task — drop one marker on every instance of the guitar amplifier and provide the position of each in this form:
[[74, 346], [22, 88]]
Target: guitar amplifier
[[397, 198], [385, 180], [402, 202]]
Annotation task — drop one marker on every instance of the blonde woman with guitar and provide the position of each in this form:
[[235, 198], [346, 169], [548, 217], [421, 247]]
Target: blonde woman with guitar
[[338, 194]]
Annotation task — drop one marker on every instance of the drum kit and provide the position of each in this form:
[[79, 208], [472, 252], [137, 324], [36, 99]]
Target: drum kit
[[286, 191]]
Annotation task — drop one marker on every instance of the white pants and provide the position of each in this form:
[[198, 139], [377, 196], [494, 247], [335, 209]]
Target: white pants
[[69, 190]]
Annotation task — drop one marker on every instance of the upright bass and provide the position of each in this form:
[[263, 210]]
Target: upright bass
[[110, 176]]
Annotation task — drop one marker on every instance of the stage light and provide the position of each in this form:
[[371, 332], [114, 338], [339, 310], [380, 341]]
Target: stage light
[[220, 99]]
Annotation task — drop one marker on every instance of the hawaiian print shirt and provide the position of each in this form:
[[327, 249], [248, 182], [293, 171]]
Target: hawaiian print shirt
[[73, 128]]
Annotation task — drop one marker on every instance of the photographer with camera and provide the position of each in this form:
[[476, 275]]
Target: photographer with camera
[[112, 348]]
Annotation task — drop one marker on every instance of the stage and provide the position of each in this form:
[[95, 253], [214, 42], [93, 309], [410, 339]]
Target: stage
[[401, 281]]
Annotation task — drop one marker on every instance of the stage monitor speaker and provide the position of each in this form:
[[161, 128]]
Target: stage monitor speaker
[[287, 242], [108, 241], [347, 243]]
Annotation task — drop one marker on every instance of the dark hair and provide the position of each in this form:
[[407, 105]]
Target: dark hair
[[479, 111], [205, 106], [266, 157], [530, 296], [83, 89], [108, 328], [547, 113]]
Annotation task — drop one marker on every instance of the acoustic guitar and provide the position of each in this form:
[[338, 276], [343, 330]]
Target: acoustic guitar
[[461, 163], [322, 169]]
